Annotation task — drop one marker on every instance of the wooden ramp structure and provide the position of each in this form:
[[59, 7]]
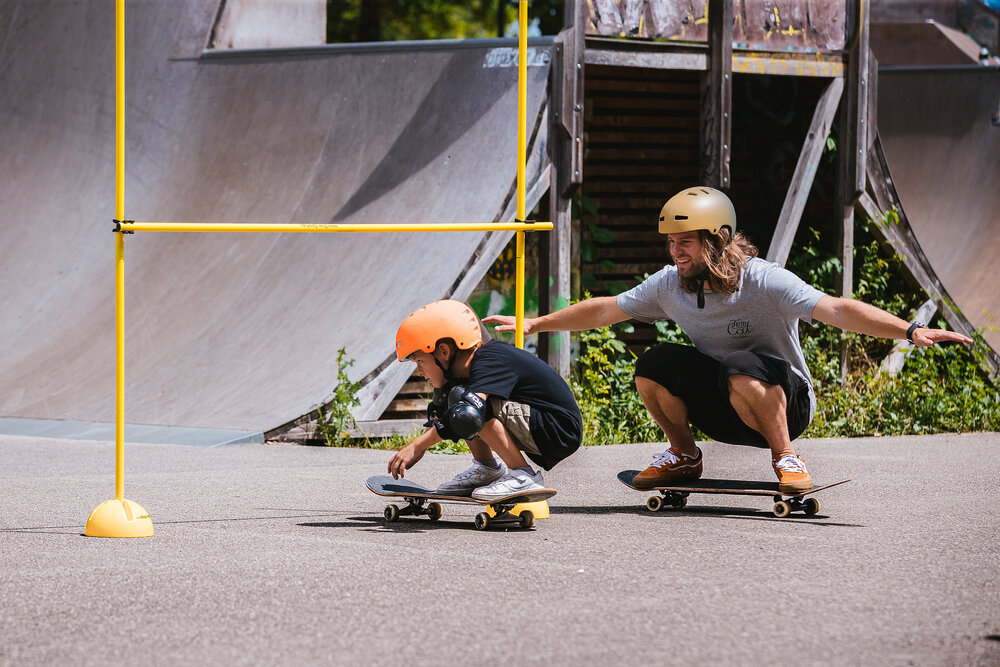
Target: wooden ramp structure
[[238, 332], [236, 337]]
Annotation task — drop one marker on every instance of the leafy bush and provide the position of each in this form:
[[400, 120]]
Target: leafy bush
[[604, 386], [940, 389], [943, 388], [604, 389]]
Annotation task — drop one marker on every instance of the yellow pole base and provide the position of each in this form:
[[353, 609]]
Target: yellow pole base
[[540, 509], [119, 518]]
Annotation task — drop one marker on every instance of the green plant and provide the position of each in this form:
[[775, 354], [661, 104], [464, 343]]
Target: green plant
[[940, 389], [604, 386], [335, 417]]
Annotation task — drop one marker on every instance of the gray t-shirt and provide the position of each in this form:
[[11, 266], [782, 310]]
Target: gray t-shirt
[[761, 316]]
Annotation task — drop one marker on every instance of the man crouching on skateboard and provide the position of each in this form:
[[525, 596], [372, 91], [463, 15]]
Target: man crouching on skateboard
[[745, 381], [494, 396]]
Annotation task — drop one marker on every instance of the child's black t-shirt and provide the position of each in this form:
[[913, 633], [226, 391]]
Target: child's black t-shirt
[[506, 372]]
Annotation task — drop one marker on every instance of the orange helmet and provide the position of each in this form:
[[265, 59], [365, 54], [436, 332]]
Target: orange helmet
[[442, 319]]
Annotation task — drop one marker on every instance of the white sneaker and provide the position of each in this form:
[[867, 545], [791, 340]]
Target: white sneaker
[[469, 480], [515, 481]]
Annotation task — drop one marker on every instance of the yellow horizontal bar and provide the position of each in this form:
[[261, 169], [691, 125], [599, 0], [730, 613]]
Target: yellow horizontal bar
[[323, 227]]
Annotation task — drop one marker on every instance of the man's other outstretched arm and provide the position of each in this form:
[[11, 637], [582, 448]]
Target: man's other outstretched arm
[[592, 313], [860, 317]]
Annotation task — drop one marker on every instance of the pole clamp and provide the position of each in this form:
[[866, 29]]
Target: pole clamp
[[118, 226], [527, 222]]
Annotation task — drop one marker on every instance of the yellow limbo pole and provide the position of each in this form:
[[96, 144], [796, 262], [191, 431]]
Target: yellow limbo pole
[[324, 227], [522, 93], [119, 517]]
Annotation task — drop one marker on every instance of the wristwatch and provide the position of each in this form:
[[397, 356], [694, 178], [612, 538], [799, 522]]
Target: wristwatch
[[916, 325]]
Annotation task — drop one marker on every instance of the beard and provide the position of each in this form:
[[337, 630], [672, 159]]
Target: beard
[[692, 270]]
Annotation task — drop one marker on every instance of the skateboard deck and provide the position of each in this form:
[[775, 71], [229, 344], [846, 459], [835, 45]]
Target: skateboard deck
[[423, 501], [676, 495]]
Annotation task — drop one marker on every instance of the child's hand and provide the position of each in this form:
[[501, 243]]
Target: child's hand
[[404, 460]]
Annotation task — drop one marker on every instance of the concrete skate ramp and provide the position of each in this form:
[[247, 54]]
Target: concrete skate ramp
[[237, 331], [943, 150]]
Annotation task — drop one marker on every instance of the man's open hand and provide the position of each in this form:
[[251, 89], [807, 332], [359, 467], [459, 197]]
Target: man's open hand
[[507, 323]]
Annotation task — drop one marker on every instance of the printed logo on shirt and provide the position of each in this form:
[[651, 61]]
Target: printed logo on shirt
[[739, 328]]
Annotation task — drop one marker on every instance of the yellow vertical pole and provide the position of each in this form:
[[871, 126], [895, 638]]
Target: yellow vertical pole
[[119, 517], [120, 251], [540, 509], [522, 94]]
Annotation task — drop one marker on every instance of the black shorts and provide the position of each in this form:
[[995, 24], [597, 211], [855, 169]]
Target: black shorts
[[702, 383]]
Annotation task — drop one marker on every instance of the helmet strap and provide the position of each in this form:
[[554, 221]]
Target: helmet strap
[[451, 362], [702, 277]]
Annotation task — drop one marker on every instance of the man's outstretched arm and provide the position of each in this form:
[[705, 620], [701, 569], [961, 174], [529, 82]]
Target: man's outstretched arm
[[589, 314], [860, 317]]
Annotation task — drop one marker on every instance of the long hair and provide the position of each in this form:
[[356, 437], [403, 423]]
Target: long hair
[[725, 261]]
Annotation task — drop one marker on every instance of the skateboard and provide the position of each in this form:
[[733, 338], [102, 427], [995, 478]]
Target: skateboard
[[424, 501], [676, 496]]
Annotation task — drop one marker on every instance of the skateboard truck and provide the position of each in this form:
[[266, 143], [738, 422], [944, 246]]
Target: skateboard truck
[[432, 510], [503, 517], [414, 508]]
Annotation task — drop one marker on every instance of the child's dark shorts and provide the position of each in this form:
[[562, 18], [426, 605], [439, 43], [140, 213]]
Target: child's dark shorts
[[702, 383]]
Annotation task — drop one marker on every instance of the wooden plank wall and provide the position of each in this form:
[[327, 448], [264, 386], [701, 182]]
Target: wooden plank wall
[[411, 401], [640, 148]]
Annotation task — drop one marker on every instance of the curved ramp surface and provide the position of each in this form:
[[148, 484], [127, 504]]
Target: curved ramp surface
[[941, 143], [237, 331]]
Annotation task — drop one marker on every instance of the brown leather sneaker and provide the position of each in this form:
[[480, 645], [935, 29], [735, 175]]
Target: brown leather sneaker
[[669, 467], [792, 474]]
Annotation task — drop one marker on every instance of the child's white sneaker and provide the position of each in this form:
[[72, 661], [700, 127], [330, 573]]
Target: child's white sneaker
[[515, 481], [469, 480]]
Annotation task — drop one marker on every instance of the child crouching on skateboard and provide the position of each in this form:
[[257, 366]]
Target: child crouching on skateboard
[[496, 397]]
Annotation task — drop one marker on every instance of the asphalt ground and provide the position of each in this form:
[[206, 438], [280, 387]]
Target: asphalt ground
[[278, 554]]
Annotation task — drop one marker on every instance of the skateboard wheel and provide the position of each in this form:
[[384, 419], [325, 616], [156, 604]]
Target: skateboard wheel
[[811, 506], [654, 503], [679, 502], [482, 521], [391, 513], [434, 511], [527, 519], [782, 509]]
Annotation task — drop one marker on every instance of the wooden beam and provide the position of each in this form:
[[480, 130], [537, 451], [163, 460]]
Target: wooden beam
[[554, 263], [657, 55], [567, 90], [805, 173], [852, 147], [717, 95], [854, 119], [566, 156]]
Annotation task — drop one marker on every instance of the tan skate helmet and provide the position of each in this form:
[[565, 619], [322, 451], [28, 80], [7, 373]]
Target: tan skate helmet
[[697, 208], [442, 319]]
